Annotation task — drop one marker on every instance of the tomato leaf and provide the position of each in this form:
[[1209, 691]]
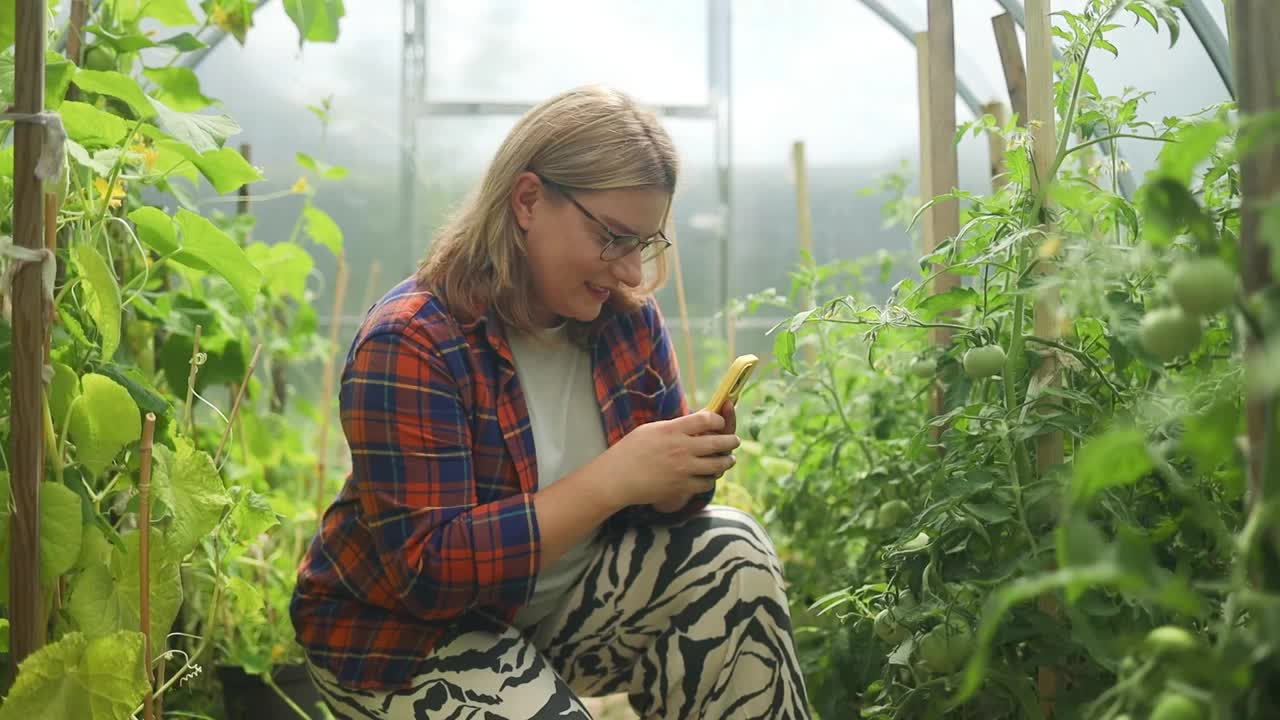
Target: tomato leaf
[[1117, 458]]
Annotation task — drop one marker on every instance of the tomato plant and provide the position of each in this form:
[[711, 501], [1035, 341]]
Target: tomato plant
[[1126, 573]]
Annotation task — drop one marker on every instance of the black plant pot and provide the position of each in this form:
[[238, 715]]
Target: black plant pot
[[247, 697]]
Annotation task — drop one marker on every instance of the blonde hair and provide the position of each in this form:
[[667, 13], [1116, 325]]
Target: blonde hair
[[589, 138]]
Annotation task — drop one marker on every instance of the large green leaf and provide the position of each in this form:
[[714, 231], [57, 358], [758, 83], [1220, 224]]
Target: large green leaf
[[226, 169], [180, 88], [156, 229], [105, 598], [188, 485], [90, 126], [76, 677], [58, 72], [64, 388], [316, 20], [61, 529], [285, 266], [202, 132], [1192, 147], [202, 240], [104, 421], [252, 516], [321, 168], [322, 229], [1116, 458], [104, 295], [116, 85], [169, 12], [8, 23]]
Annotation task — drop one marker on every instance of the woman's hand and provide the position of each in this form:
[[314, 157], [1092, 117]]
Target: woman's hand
[[730, 427], [667, 462]]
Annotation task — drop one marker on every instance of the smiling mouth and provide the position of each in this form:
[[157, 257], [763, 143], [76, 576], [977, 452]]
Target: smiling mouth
[[598, 291]]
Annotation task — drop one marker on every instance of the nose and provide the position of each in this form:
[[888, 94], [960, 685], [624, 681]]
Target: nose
[[628, 269]]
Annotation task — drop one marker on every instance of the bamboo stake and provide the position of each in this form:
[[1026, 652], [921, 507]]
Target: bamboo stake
[[144, 554], [51, 244], [26, 455], [327, 391], [188, 413], [235, 407], [1254, 26], [926, 154], [804, 229], [1040, 116], [690, 378]]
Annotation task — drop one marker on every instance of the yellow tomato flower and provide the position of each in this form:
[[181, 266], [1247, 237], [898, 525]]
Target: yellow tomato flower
[[113, 196], [301, 185]]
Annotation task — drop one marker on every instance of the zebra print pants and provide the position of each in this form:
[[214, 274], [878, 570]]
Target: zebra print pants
[[691, 620]]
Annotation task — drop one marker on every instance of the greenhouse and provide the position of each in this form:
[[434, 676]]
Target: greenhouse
[[610, 359]]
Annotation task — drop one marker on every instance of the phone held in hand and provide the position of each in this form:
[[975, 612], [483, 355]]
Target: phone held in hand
[[735, 378]]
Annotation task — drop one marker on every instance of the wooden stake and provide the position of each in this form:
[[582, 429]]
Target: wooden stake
[[144, 555], [926, 155], [804, 228], [1255, 24], [1040, 116], [327, 391], [189, 414], [1015, 73], [235, 408], [689, 378], [26, 454], [242, 204]]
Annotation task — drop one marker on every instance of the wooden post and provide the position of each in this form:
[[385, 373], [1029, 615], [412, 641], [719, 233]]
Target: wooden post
[[242, 203], [1255, 24], [1015, 73], [689, 378], [1040, 116], [26, 454], [944, 165], [326, 384], [804, 227], [926, 155]]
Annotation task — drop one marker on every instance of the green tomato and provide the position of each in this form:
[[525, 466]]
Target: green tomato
[[892, 513], [945, 648], [889, 629], [984, 361], [100, 57], [1171, 640], [1174, 706], [1203, 286], [1169, 332], [924, 368]]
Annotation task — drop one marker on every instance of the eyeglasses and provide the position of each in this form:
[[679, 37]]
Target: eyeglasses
[[618, 246]]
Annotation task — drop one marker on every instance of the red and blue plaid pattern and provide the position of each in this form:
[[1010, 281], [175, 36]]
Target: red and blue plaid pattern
[[436, 520]]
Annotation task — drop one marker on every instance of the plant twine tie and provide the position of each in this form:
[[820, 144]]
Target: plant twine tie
[[53, 151], [19, 256]]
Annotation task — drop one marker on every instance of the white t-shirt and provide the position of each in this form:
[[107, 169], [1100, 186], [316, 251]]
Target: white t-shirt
[[568, 432]]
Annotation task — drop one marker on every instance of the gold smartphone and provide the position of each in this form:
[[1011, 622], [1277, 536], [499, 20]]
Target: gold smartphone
[[733, 381]]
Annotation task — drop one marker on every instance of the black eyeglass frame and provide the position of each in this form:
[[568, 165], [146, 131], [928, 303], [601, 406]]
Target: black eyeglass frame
[[641, 244]]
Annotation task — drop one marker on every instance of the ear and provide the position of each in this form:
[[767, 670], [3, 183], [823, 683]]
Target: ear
[[524, 198]]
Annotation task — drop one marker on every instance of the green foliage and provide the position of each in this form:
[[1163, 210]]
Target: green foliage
[[148, 268], [1057, 567]]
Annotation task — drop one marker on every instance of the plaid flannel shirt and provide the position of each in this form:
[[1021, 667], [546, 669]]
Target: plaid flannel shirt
[[436, 520]]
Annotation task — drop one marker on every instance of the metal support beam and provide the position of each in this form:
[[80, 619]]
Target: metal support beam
[[413, 88], [696, 112], [1213, 40], [894, 21], [719, 84]]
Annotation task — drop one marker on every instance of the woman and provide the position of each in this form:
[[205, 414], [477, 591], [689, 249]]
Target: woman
[[527, 518]]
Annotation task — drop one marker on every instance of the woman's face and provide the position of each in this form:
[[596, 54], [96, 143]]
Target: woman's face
[[570, 280]]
